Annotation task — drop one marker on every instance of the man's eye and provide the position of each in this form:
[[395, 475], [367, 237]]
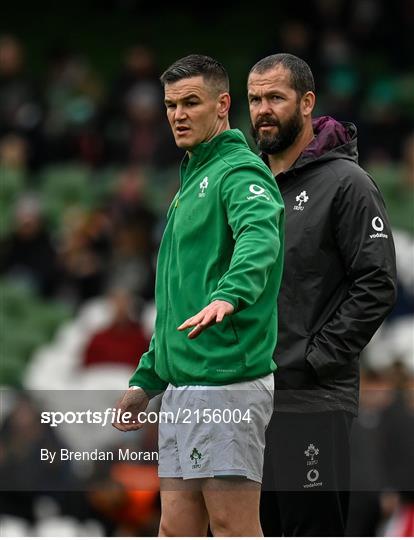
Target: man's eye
[[254, 100], [192, 103], [171, 106], [276, 98]]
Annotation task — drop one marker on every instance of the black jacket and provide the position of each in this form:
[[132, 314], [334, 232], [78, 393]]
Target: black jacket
[[339, 276]]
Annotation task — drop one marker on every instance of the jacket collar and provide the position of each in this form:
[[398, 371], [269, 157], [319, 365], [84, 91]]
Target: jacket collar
[[222, 144]]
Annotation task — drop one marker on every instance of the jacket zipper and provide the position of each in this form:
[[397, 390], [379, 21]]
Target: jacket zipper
[[166, 281]]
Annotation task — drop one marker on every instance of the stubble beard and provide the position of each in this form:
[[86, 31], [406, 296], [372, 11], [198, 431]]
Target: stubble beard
[[283, 139]]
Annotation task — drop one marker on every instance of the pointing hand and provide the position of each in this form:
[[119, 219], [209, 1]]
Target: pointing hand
[[211, 314]]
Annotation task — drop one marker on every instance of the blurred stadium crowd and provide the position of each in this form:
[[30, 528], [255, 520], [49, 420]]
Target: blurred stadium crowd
[[87, 169]]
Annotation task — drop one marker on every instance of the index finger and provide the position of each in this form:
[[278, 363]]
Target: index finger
[[192, 321]]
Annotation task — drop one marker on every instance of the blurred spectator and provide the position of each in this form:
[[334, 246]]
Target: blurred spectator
[[364, 18], [84, 251], [129, 510], [134, 107], [123, 341], [409, 161], [22, 472], [20, 108], [145, 120], [127, 494], [128, 204], [330, 12], [138, 67], [73, 95], [340, 80], [134, 241], [367, 472], [398, 511], [131, 264], [397, 432], [13, 153], [295, 37], [28, 252], [335, 49], [396, 180], [341, 92], [142, 135], [135, 124], [382, 501], [383, 124]]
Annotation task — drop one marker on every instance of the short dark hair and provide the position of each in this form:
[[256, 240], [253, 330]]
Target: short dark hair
[[194, 65], [301, 78]]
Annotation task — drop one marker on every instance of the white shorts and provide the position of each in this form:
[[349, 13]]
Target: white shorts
[[211, 431]]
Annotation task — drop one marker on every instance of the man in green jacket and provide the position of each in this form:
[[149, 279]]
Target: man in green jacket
[[218, 274]]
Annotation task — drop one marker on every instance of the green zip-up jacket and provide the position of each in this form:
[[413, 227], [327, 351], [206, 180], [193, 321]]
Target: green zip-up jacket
[[223, 241]]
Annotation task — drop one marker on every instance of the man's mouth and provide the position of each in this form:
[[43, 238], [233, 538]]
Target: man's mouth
[[266, 126], [182, 130]]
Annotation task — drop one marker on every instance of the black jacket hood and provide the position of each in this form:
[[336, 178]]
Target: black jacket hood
[[333, 140]]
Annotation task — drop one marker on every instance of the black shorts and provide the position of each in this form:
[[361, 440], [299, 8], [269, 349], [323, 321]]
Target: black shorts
[[307, 452], [306, 474]]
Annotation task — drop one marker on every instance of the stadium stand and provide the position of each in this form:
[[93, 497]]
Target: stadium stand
[[87, 170]]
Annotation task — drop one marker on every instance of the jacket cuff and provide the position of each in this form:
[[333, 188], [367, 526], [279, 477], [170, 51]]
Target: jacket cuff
[[150, 387]]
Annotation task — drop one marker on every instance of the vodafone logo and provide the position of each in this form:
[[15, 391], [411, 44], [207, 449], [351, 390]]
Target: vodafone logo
[[377, 224], [312, 475], [257, 191]]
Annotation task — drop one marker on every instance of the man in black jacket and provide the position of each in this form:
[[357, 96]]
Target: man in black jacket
[[339, 284]]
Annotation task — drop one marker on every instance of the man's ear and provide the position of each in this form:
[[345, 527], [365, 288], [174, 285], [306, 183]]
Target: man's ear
[[223, 104], [308, 103]]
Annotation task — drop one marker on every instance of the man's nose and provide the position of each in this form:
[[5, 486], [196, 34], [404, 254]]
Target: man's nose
[[264, 107], [180, 113]]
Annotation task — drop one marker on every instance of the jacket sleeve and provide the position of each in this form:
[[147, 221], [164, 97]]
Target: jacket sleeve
[[255, 214], [145, 375], [363, 236]]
